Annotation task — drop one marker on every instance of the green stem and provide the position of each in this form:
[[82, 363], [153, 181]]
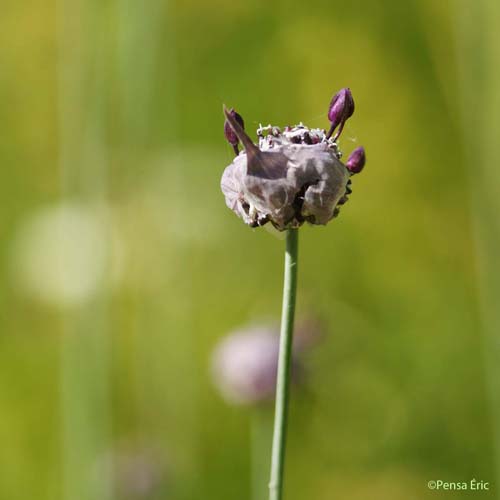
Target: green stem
[[284, 366]]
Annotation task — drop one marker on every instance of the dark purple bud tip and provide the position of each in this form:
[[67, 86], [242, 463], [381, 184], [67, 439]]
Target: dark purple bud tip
[[341, 108], [229, 133], [356, 160], [236, 127]]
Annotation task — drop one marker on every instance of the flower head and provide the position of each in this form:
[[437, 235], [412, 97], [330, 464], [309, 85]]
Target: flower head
[[293, 176]]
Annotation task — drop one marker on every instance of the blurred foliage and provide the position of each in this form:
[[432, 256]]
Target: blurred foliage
[[112, 124]]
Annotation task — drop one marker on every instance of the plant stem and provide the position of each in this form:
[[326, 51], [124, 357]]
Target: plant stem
[[284, 365]]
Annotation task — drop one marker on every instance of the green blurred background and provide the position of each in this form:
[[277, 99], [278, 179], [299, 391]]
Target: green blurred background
[[121, 268]]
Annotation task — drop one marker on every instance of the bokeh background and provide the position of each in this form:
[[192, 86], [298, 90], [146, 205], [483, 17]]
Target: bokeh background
[[121, 268]]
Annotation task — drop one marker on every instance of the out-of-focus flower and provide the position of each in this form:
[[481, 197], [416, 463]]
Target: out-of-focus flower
[[245, 363], [137, 475], [293, 176], [62, 254], [137, 472]]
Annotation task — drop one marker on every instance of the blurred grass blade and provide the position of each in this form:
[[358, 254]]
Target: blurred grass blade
[[478, 49]]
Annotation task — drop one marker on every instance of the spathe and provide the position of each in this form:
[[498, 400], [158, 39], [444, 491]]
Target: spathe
[[264, 164]]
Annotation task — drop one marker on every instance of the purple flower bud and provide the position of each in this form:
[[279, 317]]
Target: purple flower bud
[[356, 160], [341, 108], [229, 133]]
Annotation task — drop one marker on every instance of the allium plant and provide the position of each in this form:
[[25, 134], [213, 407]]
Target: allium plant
[[292, 176]]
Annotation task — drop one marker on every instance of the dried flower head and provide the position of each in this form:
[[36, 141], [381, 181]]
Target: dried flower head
[[293, 176]]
